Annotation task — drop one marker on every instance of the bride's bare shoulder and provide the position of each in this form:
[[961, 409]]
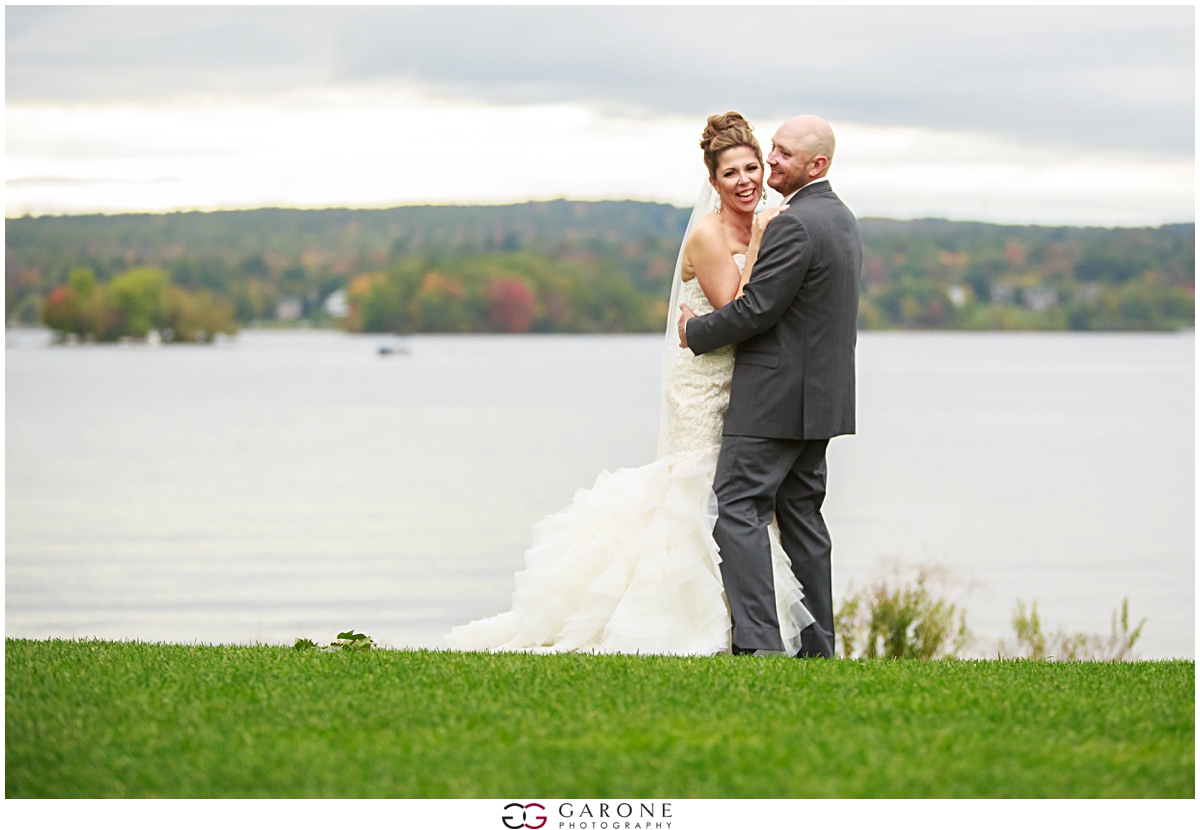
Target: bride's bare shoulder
[[704, 243], [708, 223], [706, 236]]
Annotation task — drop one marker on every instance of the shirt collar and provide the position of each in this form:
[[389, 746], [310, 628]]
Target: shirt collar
[[810, 184]]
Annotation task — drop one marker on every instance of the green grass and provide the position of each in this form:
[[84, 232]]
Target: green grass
[[95, 719]]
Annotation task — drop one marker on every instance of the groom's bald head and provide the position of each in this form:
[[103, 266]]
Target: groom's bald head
[[812, 131], [801, 151]]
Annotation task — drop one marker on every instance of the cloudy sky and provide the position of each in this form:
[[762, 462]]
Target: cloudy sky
[[1065, 115]]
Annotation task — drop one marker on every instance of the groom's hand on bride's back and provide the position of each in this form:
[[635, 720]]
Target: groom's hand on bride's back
[[685, 314]]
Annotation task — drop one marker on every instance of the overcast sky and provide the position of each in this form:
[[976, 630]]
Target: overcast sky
[[1072, 115]]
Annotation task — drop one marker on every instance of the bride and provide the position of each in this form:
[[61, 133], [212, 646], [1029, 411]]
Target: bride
[[630, 565]]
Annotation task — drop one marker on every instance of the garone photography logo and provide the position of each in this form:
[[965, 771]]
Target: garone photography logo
[[531, 816], [590, 815]]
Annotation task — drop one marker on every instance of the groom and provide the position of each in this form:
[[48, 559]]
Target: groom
[[793, 390]]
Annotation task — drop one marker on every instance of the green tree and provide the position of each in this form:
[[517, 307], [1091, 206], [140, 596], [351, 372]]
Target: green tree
[[82, 280], [137, 297]]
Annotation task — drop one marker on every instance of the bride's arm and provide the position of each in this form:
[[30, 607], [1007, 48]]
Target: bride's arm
[[708, 254], [756, 234]]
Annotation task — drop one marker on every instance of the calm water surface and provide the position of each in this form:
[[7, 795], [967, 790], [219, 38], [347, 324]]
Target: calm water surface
[[297, 484]]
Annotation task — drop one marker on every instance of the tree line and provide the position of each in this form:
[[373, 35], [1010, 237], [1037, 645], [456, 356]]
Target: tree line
[[555, 266]]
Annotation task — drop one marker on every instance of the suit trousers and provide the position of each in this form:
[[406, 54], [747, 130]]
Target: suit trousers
[[758, 478]]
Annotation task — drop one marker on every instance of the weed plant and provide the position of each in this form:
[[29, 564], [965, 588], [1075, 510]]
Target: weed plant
[[1035, 644], [902, 616], [896, 618]]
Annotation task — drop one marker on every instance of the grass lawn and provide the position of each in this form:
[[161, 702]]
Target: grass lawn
[[95, 719]]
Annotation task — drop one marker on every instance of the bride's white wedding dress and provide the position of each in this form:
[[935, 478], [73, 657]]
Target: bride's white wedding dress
[[631, 566]]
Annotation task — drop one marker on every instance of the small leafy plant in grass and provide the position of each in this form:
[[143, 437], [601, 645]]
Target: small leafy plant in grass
[[1035, 644], [895, 618], [346, 641]]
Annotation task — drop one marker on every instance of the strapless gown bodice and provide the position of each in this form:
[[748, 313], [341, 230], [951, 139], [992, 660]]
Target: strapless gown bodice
[[697, 392]]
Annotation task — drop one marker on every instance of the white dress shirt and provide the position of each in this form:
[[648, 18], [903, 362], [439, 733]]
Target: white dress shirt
[[788, 198]]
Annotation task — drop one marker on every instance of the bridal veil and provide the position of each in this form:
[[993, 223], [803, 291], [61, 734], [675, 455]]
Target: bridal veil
[[705, 203]]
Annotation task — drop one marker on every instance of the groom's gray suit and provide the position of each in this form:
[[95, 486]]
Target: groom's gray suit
[[793, 390]]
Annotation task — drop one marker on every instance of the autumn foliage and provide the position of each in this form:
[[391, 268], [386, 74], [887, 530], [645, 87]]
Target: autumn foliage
[[133, 304], [513, 305], [506, 292]]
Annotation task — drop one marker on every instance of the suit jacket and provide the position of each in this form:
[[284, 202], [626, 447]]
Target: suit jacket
[[795, 325]]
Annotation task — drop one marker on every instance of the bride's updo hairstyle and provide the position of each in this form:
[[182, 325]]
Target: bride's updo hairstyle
[[724, 132]]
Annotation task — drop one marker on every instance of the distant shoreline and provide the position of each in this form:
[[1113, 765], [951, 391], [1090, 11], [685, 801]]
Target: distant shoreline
[[581, 266]]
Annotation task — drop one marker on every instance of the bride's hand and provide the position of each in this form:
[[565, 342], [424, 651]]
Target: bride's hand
[[761, 220]]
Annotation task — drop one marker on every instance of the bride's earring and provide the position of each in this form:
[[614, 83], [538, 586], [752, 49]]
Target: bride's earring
[[764, 195], [716, 203]]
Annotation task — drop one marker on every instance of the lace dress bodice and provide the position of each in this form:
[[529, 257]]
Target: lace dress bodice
[[698, 386]]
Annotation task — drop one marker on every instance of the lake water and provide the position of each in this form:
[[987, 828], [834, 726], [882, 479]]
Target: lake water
[[298, 484]]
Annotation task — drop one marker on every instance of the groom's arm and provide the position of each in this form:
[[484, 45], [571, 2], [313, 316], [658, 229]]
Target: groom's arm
[[782, 263]]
